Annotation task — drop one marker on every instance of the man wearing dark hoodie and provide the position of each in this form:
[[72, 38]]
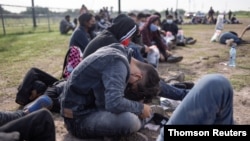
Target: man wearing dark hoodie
[[121, 31]]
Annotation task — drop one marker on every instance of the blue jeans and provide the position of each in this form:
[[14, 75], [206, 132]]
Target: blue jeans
[[103, 124], [210, 101], [171, 92], [229, 35]]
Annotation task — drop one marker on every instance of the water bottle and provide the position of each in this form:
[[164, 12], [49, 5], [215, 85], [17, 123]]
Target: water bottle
[[232, 59]]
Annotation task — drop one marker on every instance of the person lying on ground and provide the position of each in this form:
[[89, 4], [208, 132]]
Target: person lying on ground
[[230, 37]]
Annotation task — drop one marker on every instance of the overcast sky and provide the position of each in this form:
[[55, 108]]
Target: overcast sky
[[127, 5]]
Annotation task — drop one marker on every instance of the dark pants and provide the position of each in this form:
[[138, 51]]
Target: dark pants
[[172, 92], [37, 126], [25, 88], [54, 95]]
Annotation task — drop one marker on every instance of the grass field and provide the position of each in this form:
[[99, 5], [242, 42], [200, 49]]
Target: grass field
[[18, 53], [46, 50]]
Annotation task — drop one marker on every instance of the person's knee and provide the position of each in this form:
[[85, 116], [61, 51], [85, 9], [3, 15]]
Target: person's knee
[[217, 78], [44, 113], [34, 69], [217, 82], [130, 123]]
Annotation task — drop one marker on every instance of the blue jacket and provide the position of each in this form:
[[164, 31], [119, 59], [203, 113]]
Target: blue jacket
[[80, 38], [98, 83]]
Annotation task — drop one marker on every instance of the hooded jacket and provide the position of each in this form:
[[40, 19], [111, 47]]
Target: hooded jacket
[[122, 28]]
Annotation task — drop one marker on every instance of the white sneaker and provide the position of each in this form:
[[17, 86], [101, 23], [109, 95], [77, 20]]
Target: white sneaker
[[158, 109]]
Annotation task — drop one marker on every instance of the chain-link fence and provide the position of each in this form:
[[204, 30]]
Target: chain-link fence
[[22, 19]]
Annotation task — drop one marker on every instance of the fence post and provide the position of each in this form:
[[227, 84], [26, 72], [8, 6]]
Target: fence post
[[48, 17], [33, 14], [1, 12], [119, 6]]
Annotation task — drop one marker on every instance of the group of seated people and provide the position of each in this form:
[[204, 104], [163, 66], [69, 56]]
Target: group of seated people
[[108, 83]]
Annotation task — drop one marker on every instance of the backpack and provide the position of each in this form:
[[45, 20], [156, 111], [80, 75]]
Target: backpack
[[72, 58]]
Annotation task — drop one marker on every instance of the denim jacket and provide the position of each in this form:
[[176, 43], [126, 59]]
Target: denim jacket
[[98, 83]]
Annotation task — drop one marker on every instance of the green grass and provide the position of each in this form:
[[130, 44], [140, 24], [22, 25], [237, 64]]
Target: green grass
[[18, 53]]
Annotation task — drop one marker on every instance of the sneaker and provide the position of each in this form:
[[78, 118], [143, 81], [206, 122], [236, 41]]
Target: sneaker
[[43, 101], [169, 104], [191, 42], [174, 59], [155, 109], [180, 78], [158, 109], [134, 137], [184, 85]]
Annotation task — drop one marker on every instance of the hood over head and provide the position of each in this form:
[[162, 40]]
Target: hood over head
[[123, 27]]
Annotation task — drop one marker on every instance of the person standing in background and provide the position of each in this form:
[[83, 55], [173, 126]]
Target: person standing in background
[[230, 15], [83, 9], [211, 15]]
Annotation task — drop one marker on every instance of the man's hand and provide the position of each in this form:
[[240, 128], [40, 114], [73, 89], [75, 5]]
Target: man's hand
[[146, 112]]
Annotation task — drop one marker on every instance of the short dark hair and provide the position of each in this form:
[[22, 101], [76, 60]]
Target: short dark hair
[[158, 14], [148, 88], [85, 17], [132, 14], [67, 16], [150, 85], [170, 16], [141, 15]]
